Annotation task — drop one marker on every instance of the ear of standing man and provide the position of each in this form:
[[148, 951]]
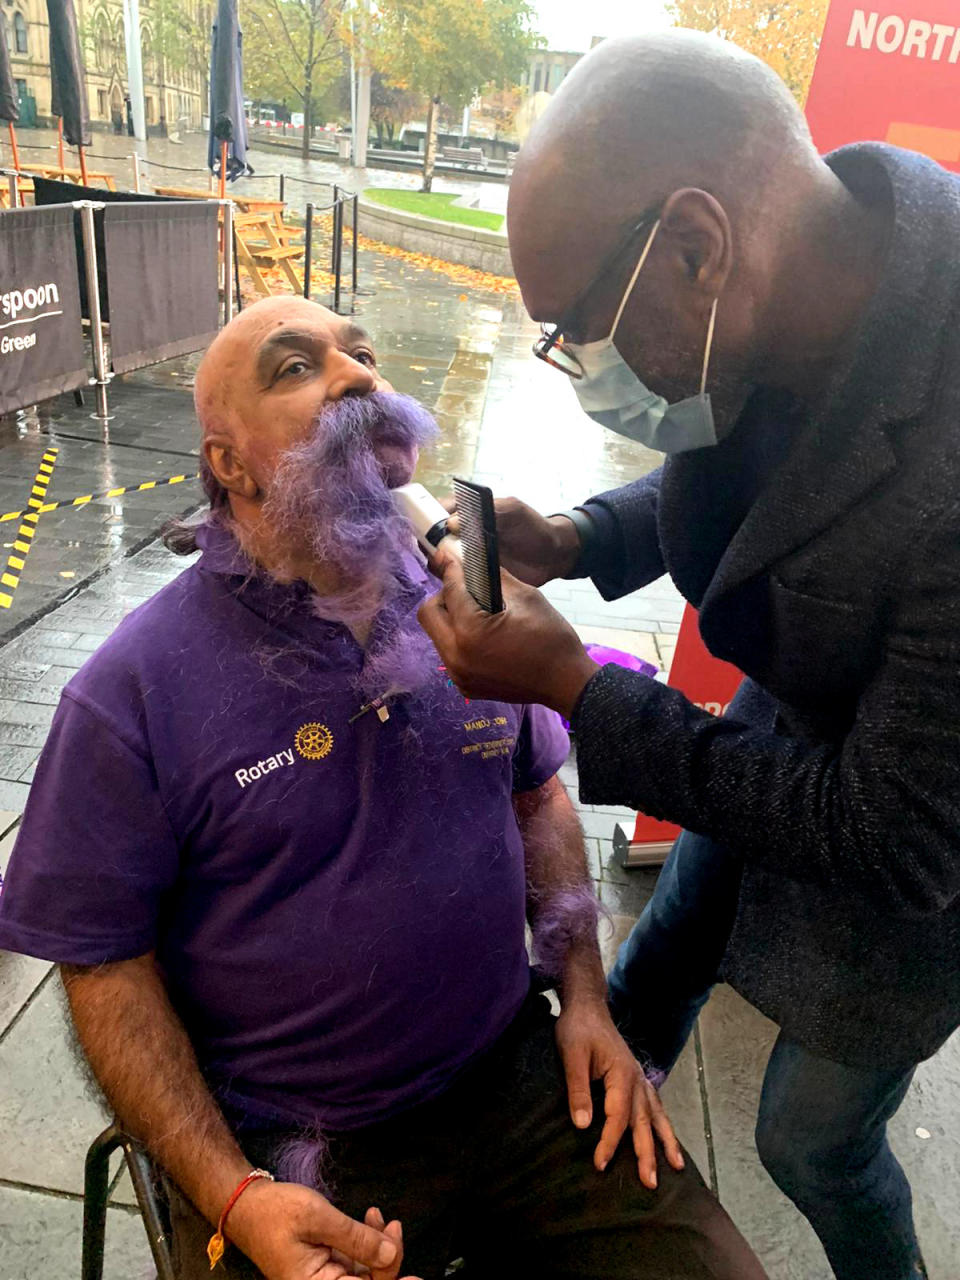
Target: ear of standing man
[[783, 327]]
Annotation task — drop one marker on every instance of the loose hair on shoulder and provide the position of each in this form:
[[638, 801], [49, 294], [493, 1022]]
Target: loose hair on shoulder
[[179, 534]]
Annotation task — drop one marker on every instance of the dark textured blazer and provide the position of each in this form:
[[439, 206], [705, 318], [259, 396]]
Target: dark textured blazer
[[837, 776]]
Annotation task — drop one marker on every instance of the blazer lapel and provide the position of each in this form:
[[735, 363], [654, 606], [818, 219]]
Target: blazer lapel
[[845, 450], [830, 469]]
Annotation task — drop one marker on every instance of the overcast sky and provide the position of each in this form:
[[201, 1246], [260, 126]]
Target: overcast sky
[[570, 24]]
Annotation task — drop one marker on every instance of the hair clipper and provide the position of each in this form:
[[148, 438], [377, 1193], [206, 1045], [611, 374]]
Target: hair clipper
[[427, 518]]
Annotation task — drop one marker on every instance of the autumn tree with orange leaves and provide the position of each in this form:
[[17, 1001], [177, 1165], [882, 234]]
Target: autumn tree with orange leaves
[[784, 33]]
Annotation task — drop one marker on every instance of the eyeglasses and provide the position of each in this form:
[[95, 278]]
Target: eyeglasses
[[549, 347]]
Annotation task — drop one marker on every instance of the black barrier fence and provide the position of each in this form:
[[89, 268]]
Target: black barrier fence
[[51, 191], [155, 264], [149, 265], [161, 264], [42, 352], [342, 206]]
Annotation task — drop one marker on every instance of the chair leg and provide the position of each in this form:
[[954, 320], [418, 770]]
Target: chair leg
[[96, 1183], [141, 1175]]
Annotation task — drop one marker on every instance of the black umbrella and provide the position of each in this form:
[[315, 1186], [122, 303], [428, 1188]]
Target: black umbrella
[[9, 100], [227, 145], [68, 79]]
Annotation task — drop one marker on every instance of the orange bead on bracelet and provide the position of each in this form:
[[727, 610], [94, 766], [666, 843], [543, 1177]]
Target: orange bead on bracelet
[[217, 1244]]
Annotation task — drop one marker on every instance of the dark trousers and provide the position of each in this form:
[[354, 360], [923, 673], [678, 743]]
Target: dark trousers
[[822, 1127], [494, 1172]]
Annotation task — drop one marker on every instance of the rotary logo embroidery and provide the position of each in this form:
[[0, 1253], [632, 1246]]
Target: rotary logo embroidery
[[313, 741]]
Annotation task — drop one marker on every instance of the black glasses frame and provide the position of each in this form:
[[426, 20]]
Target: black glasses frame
[[549, 346]]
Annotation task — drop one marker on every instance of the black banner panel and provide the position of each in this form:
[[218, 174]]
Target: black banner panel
[[161, 265], [42, 352]]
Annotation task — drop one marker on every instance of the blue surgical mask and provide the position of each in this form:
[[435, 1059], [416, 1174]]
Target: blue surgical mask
[[612, 395]]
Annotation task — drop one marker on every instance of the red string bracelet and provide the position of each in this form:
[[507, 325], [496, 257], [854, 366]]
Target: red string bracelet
[[217, 1244]]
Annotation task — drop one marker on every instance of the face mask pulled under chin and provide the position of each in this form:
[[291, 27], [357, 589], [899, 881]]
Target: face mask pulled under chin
[[614, 397]]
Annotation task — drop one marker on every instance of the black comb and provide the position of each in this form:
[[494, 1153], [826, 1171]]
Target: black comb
[[478, 538]]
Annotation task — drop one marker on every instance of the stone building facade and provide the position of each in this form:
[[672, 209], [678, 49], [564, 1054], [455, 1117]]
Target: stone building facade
[[173, 94]]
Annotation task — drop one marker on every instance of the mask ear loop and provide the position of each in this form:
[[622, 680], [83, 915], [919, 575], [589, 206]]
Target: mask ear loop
[[707, 348], [633, 280]]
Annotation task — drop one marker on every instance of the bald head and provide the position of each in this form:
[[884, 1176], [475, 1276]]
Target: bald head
[[639, 118], [227, 372]]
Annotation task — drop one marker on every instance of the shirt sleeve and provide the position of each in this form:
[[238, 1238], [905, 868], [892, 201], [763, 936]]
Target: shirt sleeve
[[95, 853], [542, 747]]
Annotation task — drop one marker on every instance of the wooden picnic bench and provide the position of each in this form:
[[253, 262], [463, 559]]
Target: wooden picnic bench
[[465, 155], [259, 246], [261, 235], [95, 177]]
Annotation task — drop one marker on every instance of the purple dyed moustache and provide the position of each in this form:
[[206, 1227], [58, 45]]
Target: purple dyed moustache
[[330, 495]]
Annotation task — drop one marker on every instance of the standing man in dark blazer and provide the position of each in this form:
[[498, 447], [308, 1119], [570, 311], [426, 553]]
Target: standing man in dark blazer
[[785, 328]]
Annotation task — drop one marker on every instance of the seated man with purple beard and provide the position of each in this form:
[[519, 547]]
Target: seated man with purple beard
[[285, 869]]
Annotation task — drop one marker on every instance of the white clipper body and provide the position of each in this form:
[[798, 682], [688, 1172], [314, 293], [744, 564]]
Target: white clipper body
[[427, 518]]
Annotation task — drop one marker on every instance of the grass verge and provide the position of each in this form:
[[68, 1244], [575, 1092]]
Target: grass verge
[[434, 204]]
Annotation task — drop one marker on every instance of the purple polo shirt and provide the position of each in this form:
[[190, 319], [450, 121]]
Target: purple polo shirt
[[338, 907]]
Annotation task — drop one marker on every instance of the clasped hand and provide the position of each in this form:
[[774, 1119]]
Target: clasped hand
[[293, 1233]]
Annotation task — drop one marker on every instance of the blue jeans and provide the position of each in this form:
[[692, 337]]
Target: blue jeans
[[822, 1127]]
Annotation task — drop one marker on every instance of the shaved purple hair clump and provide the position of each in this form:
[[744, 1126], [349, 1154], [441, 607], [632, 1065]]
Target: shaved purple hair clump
[[305, 1160], [561, 920]]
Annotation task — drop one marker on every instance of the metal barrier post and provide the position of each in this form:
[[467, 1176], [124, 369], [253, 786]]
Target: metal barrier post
[[86, 208], [227, 206], [282, 201], [356, 201], [333, 241], [338, 252], [135, 159], [308, 250]]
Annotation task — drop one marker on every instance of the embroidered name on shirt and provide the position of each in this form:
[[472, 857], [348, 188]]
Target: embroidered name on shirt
[[471, 725], [488, 750], [255, 771]]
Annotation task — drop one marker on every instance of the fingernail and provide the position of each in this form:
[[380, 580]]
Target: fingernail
[[602, 1165], [653, 1178], [381, 1223], [581, 1119], [386, 1253]]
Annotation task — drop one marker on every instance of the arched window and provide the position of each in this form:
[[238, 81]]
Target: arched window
[[19, 33], [147, 55], [104, 45]]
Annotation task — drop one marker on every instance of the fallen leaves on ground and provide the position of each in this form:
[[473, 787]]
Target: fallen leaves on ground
[[323, 281]]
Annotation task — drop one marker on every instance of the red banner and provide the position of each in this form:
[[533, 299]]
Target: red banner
[[889, 74]]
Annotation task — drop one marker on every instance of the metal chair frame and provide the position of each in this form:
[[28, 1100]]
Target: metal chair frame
[[96, 1188]]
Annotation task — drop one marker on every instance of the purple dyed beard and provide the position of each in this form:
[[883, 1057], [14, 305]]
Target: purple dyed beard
[[330, 499]]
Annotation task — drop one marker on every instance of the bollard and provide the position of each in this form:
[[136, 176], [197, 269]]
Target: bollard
[[308, 250], [338, 252], [356, 201], [227, 207], [93, 302], [282, 200], [333, 240]]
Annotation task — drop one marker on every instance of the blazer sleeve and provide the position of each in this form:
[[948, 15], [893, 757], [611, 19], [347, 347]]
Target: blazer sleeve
[[625, 554], [879, 811]]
